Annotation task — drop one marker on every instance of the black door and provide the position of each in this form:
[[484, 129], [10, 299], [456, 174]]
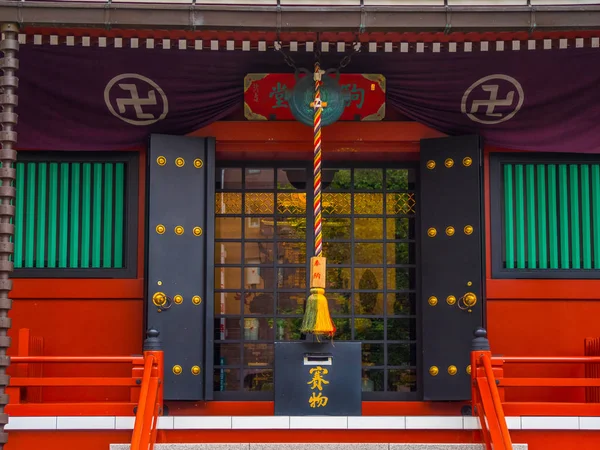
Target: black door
[[451, 262], [180, 252]]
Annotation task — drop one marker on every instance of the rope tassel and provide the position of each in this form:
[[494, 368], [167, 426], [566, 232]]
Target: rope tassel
[[317, 319]]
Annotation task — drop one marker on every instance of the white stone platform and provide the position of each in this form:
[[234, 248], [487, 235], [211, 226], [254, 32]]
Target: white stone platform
[[317, 446]]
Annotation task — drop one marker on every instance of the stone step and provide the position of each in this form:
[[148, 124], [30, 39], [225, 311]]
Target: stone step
[[316, 446]]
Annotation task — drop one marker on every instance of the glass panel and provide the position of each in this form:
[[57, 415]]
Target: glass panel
[[401, 303], [259, 228], [291, 228], [372, 355], [228, 329], [291, 252], [258, 354], [259, 277], [372, 380], [258, 380], [292, 179], [336, 228], [292, 277], [368, 228], [228, 203], [339, 303], [335, 204], [402, 380], [289, 329], [368, 253], [368, 179], [228, 228], [261, 303], [226, 380], [336, 179], [291, 203], [228, 253], [369, 329], [396, 179], [228, 178], [368, 303], [259, 202], [258, 329], [401, 330], [399, 229], [228, 277], [259, 252], [400, 253], [401, 354], [368, 204], [292, 303], [343, 330], [399, 279], [371, 278], [400, 203], [338, 278], [260, 179], [338, 252], [228, 303], [228, 354]]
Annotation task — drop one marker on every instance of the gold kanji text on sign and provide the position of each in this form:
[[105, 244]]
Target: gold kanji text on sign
[[318, 381], [317, 401]]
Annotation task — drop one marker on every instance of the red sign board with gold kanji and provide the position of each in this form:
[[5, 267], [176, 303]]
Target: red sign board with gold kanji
[[265, 96]]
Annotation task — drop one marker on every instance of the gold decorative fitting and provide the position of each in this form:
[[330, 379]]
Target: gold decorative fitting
[[469, 369], [469, 283], [467, 161], [196, 300], [432, 301], [159, 283], [177, 370], [430, 164], [449, 162], [452, 370], [196, 370], [197, 231], [160, 229], [198, 163], [161, 160], [450, 231], [469, 299], [179, 230], [451, 300], [178, 299], [431, 232], [179, 162], [159, 299], [468, 230], [433, 371]]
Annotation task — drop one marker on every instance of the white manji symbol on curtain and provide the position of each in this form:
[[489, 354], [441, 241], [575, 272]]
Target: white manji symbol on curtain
[[138, 99], [493, 99]]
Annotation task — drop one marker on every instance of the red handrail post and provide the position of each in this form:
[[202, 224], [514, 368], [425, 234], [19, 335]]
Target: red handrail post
[[151, 395]]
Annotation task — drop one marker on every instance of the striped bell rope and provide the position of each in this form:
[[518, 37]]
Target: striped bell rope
[[317, 319]]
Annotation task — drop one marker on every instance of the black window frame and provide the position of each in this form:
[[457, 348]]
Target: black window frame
[[131, 205], [497, 215], [385, 396]]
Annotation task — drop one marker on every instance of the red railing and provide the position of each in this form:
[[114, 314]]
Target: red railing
[[145, 383], [488, 391]]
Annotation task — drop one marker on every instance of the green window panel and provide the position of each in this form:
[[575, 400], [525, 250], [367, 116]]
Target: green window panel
[[75, 215], [549, 214]]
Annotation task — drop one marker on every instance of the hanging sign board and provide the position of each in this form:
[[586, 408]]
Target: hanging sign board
[[266, 94]]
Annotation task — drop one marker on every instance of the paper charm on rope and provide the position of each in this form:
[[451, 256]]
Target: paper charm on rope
[[317, 319]]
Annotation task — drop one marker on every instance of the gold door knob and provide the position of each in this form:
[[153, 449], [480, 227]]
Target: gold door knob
[[159, 299], [468, 300]]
